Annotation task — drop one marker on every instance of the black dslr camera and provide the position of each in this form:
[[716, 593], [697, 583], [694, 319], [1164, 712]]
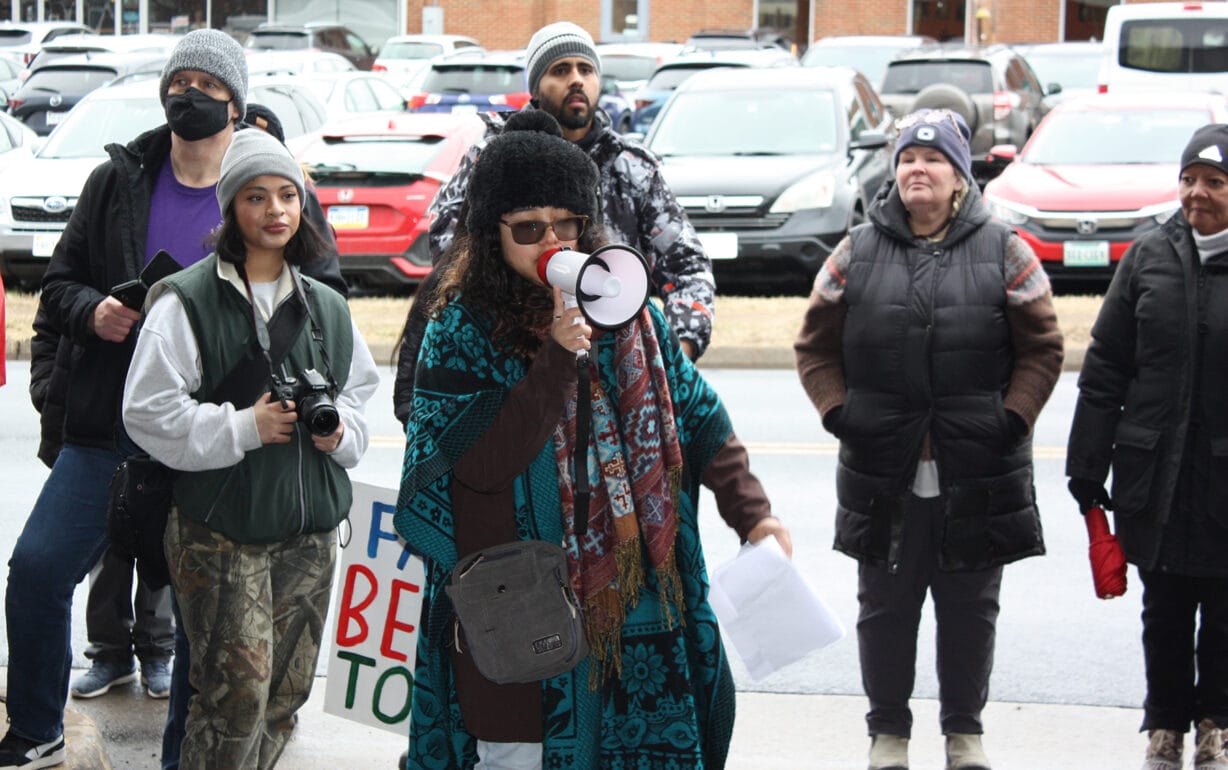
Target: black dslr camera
[[311, 395]]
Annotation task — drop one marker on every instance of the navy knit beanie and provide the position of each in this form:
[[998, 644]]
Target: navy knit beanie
[[943, 130]]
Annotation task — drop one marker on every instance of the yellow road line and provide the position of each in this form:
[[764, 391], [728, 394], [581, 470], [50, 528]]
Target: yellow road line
[[796, 448]]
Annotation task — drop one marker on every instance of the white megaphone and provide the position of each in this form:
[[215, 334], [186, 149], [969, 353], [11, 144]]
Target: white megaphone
[[610, 286]]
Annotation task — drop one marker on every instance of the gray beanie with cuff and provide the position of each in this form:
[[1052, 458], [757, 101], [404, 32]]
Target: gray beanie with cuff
[[553, 42], [214, 52], [253, 153]]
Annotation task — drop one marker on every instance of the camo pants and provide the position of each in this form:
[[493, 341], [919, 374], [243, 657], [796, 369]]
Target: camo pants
[[254, 615]]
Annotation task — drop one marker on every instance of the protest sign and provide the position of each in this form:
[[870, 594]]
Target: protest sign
[[379, 598]]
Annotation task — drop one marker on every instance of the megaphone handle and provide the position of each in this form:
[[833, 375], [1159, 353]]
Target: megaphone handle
[[569, 301]]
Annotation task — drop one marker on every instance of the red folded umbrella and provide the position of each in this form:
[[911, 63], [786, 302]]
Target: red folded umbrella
[[1108, 560]]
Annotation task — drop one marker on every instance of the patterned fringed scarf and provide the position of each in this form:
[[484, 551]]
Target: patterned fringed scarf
[[635, 473]]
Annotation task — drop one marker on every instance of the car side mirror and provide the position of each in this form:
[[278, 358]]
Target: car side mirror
[[869, 140], [1001, 155], [1053, 88]]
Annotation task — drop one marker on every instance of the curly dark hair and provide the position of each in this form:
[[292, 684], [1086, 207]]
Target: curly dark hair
[[519, 310], [306, 245]]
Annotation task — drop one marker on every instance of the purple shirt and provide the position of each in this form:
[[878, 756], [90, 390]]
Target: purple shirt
[[180, 218]]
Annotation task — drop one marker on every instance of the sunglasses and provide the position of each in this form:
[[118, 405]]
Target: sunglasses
[[933, 118], [531, 231]]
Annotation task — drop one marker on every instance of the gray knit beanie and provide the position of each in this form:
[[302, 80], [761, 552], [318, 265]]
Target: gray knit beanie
[[253, 153], [214, 52], [553, 42]]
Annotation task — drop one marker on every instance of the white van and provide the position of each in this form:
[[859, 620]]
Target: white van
[[1170, 46]]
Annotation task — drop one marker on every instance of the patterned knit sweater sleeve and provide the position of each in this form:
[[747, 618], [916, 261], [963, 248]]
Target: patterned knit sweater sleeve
[[1035, 335]]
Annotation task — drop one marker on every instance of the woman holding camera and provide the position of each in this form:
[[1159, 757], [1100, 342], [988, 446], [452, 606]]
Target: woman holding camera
[[250, 381], [492, 442]]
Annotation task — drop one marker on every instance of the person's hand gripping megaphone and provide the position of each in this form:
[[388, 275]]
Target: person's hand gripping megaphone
[[569, 328]]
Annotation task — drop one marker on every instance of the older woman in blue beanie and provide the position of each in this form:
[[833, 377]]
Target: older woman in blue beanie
[[929, 347], [1151, 409]]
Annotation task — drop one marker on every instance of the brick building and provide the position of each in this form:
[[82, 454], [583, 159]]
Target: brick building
[[510, 23]]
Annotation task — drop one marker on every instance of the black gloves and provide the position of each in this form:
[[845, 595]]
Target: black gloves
[[1089, 494]]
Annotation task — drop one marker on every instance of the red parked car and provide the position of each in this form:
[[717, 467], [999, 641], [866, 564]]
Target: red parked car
[[376, 176], [1100, 171]]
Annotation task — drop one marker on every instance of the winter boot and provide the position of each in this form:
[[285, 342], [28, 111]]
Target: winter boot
[[964, 752], [888, 752], [1163, 750], [1209, 747]]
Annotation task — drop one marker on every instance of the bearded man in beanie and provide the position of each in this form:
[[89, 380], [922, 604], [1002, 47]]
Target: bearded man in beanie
[[563, 72], [1151, 410], [155, 193]]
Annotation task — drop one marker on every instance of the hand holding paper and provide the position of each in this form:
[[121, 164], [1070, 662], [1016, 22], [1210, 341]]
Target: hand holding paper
[[768, 611]]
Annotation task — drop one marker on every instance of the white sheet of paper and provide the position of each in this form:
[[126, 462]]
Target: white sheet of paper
[[768, 610]]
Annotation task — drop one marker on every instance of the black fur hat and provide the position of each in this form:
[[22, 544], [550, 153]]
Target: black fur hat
[[530, 164]]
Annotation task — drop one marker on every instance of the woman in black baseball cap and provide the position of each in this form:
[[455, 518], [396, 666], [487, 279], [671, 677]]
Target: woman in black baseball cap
[[1151, 409]]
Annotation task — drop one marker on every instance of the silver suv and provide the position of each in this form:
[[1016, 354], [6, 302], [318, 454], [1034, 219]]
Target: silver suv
[[993, 88]]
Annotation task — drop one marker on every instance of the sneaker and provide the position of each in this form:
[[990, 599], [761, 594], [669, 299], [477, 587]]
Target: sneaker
[[1163, 750], [1209, 747], [24, 754], [888, 752], [156, 678], [964, 752], [103, 675]]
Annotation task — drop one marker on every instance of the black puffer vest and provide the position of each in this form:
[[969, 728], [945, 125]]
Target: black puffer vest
[[927, 351]]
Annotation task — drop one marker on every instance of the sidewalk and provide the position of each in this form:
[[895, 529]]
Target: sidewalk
[[773, 732]]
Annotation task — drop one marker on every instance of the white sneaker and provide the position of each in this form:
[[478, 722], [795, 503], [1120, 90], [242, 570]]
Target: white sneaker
[[17, 753]]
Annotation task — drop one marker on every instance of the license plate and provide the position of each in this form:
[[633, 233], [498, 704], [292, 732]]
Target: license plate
[[720, 245], [44, 244], [348, 217], [470, 109], [1085, 254], [55, 118]]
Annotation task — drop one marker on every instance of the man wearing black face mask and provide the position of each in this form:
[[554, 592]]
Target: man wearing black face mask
[[157, 192]]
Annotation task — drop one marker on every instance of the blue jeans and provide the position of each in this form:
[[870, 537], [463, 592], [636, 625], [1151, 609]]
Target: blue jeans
[[62, 540], [181, 691]]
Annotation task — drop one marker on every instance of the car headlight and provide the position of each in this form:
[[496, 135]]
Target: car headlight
[[815, 191], [1007, 213]]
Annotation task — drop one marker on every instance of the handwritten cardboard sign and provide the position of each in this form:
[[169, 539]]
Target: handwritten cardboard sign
[[379, 598]]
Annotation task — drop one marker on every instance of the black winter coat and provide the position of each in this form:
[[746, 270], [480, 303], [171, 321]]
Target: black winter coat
[[50, 355], [928, 354], [103, 245], [1151, 404]]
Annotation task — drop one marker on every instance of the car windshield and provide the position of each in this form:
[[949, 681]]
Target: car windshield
[[278, 41], [869, 60], [794, 122], [1081, 71], [628, 67], [974, 77], [671, 77], [1113, 137], [68, 81], [407, 50], [336, 158], [94, 124], [475, 79]]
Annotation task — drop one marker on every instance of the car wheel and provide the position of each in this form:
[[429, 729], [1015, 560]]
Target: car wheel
[[943, 96]]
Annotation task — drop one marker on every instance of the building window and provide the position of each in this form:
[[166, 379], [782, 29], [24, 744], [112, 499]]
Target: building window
[[624, 20]]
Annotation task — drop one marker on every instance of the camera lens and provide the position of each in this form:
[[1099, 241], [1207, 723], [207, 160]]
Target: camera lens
[[320, 417]]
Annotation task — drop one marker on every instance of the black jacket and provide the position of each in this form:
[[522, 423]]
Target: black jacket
[[928, 355], [1151, 404], [50, 355], [104, 245]]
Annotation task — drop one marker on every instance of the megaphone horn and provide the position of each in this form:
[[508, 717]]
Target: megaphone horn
[[610, 286]]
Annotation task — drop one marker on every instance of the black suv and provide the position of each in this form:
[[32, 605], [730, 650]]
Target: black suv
[[992, 87], [318, 35]]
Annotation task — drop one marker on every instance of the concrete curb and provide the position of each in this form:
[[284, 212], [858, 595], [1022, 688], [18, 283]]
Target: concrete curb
[[717, 357], [86, 748]]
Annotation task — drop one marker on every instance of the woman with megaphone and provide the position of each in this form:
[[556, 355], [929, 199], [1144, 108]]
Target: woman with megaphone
[[498, 429]]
